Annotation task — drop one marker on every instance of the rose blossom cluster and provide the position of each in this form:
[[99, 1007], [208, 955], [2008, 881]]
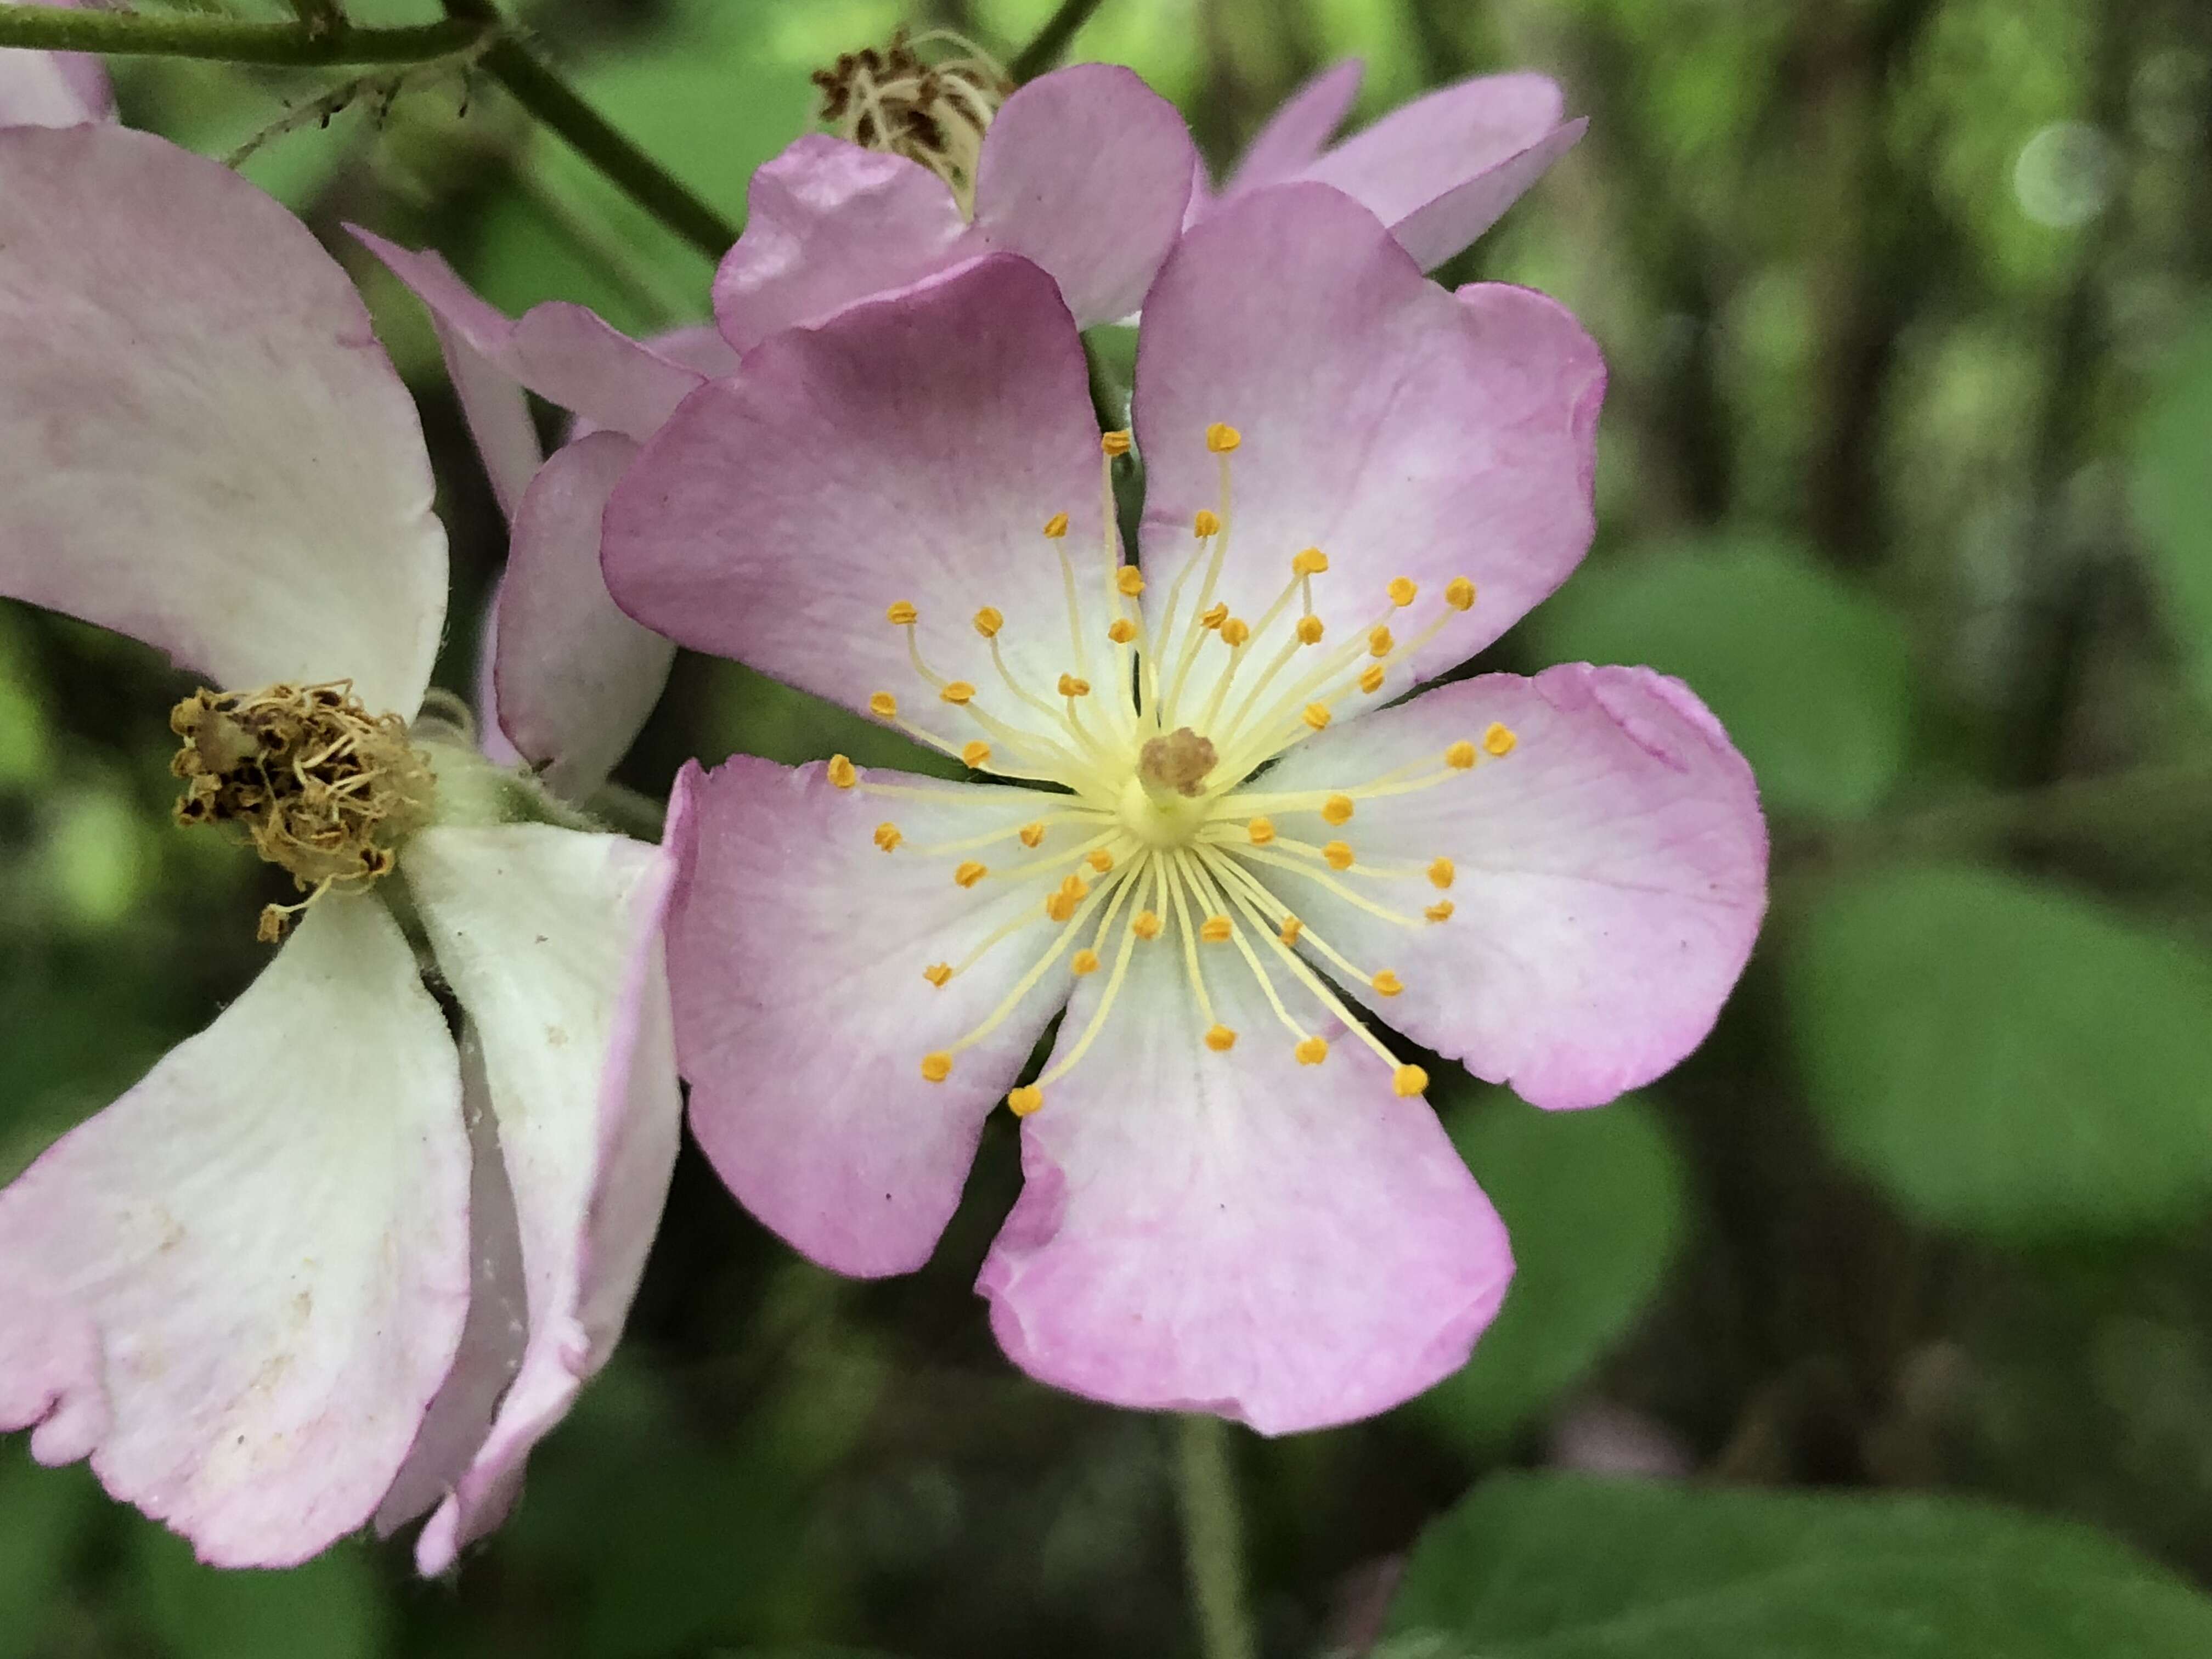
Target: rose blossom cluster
[[1236, 841]]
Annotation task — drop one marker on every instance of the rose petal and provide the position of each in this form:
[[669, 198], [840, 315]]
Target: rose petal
[[1292, 1246], [1296, 133], [270, 1237], [1610, 875], [550, 940], [796, 953], [52, 88], [1435, 148], [575, 677], [912, 448], [1086, 171], [564, 353], [1402, 430], [496, 407], [828, 223], [201, 443]]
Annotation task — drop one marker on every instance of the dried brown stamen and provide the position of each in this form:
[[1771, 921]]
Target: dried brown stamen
[[930, 108], [318, 785], [1179, 761]]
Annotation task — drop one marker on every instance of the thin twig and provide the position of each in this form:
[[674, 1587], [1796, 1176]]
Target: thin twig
[[1213, 1538], [1047, 44]]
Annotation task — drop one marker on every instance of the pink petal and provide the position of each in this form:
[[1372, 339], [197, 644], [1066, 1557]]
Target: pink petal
[[912, 448], [1294, 135], [796, 952], [1292, 1246], [496, 407], [551, 942], [828, 223], [576, 678], [562, 352], [1611, 872], [201, 443], [1402, 430], [1417, 167], [1086, 171], [52, 88], [267, 1241]]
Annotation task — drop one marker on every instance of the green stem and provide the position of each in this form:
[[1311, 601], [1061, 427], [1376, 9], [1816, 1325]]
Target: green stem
[[47, 28], [1046, 46], [1213, 1538]]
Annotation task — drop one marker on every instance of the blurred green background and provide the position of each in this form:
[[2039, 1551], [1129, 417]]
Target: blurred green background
[[1906, 466]]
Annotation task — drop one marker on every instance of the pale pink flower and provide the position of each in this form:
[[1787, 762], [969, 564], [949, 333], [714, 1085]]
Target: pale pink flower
[[51, 88], [1215, 839], [325, 1263]]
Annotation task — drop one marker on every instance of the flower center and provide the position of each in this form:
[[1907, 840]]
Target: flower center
[[1153, 833], [932, 108], [316, 783]]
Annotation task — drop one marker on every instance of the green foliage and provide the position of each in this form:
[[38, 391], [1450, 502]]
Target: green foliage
[[1809, 675], [2173, 497], [1567, 1567], [44, 1517], [329, 1608], [2005, 1057], [1593, 1201]]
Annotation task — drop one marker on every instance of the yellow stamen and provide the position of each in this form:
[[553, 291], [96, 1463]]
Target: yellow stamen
[[1459, 594], [1221, 437], [1026, 1099], [1101, 860], [1056, 525], [1204, 523], [1129, 582], [1115, 443], [1031, 834], [1380, 641], [989, 621], [1441, 873], [1084, 961], [1290, 929], [1339, 854], [1214, 615], [1460, 756], [958, 691], [1235, 630], [1260, 831], [1371, 679], [1337, 809], [1499, 740], [1072, 687], [1387, 984], [1440, 911], [976, 754], [883, 706], [938, 972], [1402, 590], [1309, 630], [1215, 930], [1311, 1051], [843, 772], [1220, 1039], [1409, 1081], [936, 1067], [969, 873], [1317, 716], [1310, 562], [1123, 631], [887, 835], [1145, 925]]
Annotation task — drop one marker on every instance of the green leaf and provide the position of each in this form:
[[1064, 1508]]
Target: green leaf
[[43, 1513], [1810, 676], [2006, 1057], [1574, 1567], [2173, 496], [1593, 1201], [329, 1608]]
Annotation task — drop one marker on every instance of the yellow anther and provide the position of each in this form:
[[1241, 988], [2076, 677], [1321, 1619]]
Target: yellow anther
[[1499, 739], [1220, 1039], [1031, 834], [1101, 860], [1339, 854], [1441, 873], [975, 753], [1025, 1100], [1317, 716], [1072, 687], [1460, 756], [1311, 1051], [989, 621], [883, 706], [969, 873], [1262, 830], [1309, 630], [936, 1067], [1145, 924], [1221, 437], [958, 691], [1235, 630], [1084, 961], [1056, 525], [1123, 631], [1459, 594], [938, 972], [1379, 642], [1214, 930], [843, 772], [1290, 929], [1205, 523], [903, 612], [1402, 590], [1337, 809], [888, 836], [1061, 905], [1387, 984], [1407, 1081], [1371, 679], [1214, 615], [1075, 887], [1309, 562], [1115, 443], [1129, 582], [1440, 911]]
